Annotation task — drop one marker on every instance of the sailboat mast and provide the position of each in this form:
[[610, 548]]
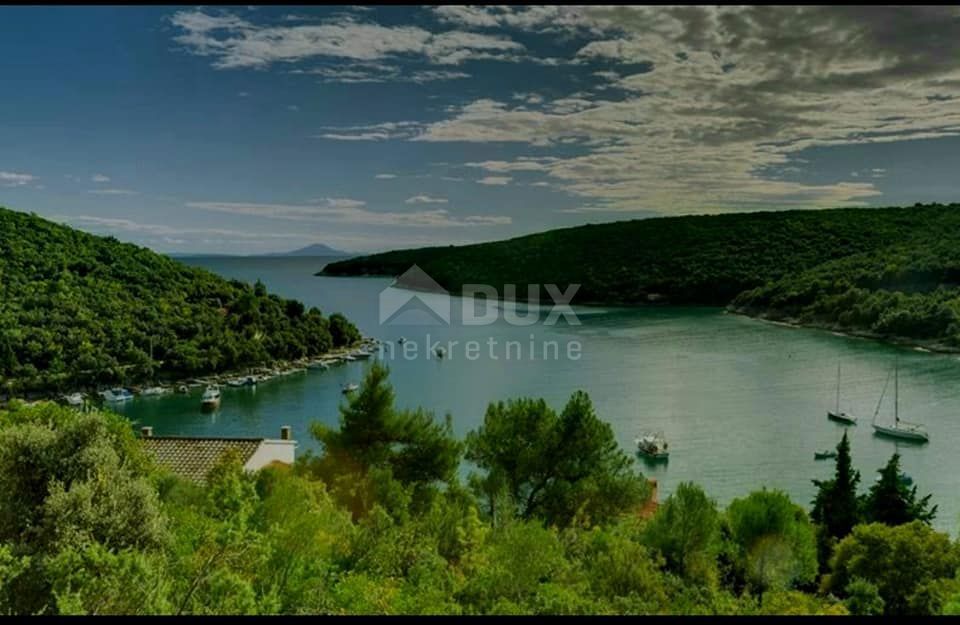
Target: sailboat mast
[[896, 394], [838, 388]]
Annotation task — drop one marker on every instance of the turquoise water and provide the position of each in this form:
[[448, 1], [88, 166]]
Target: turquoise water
[[742, 402]]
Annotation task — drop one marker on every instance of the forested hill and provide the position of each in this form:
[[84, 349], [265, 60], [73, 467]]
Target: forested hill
[[884, 271], [80, 310]]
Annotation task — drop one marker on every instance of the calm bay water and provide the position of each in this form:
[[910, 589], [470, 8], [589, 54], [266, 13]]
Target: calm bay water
[[742, 402]]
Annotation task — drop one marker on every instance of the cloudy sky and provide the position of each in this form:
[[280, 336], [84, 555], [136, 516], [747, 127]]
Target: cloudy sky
[[264, 129]]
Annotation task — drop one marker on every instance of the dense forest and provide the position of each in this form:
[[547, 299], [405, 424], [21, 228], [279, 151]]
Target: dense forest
[[888, 272], [553, 519], [78, 310]]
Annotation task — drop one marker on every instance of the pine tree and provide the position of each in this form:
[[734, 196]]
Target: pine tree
[[836, 507], [892, 502]]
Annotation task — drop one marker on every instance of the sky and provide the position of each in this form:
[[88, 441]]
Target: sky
[[263, 129]]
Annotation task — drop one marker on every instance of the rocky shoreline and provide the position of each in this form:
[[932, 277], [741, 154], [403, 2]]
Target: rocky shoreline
[[899, 341]]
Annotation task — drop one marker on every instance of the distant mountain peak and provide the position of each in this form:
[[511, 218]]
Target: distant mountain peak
[[317, 249]]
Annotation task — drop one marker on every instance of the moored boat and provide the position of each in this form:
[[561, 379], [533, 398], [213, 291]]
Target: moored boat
[[153, 391], [74, 399], [117, 395], [653, 446], [899, 429], [210, 398], [349, 388], [836, 414], [824, 454]]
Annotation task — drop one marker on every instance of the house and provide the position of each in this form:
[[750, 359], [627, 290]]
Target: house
[[192, 457]]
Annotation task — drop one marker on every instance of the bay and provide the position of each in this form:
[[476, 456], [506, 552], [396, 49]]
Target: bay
[[742, 402]]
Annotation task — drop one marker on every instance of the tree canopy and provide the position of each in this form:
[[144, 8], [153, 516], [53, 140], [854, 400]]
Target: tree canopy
[[78, 310]]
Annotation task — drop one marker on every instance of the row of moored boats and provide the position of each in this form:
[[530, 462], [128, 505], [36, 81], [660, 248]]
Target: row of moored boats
[[212, 394]]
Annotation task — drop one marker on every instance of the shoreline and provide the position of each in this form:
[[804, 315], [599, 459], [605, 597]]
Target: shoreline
[[935, 347], [275, 369], [931, 346]]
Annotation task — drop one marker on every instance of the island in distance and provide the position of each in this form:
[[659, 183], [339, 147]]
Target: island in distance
[[316, 250]]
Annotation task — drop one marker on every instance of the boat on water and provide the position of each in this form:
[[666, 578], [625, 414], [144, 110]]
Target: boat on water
[[440, 352], [349, 388], [402, 340], [210, 398], [241, 382], [116, 395], [836, 414], [153, 391], [74, 399], [361, 354], [653, 446], [824, 454], [899, 429]]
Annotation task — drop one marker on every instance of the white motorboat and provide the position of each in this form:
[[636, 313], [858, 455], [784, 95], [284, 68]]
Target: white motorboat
[[349, 388], [653, 446], [117, 395], [74, 399], [211, 397]]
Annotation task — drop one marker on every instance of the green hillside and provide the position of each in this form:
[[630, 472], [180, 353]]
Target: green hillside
[[82, 310], [885, 271]]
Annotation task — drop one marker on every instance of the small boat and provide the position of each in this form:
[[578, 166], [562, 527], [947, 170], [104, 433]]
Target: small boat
[[361, 354], [74, 399], [836, 414], [211, 397], [402, 340], [898, 429], [824, 454], [653, 446], [153, 391], [349, 388], [117, 395], [440, 352]]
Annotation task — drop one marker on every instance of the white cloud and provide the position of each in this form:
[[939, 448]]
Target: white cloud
[[113, 192], [372, 132], [425, 199], [99, 178], [14, 179], [110, 224], [379, 73], [233, 42], [495, 180], [350, 212], [696, 132]]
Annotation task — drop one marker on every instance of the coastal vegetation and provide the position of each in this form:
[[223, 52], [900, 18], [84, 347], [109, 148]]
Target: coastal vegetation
[[883, 272], [78, 311], [380, 521]]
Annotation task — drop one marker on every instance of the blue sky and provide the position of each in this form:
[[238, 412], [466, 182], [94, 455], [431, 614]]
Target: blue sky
[[246, 130]]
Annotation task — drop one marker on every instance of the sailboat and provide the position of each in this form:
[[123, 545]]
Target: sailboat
[[899, 429], [836, 414]]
